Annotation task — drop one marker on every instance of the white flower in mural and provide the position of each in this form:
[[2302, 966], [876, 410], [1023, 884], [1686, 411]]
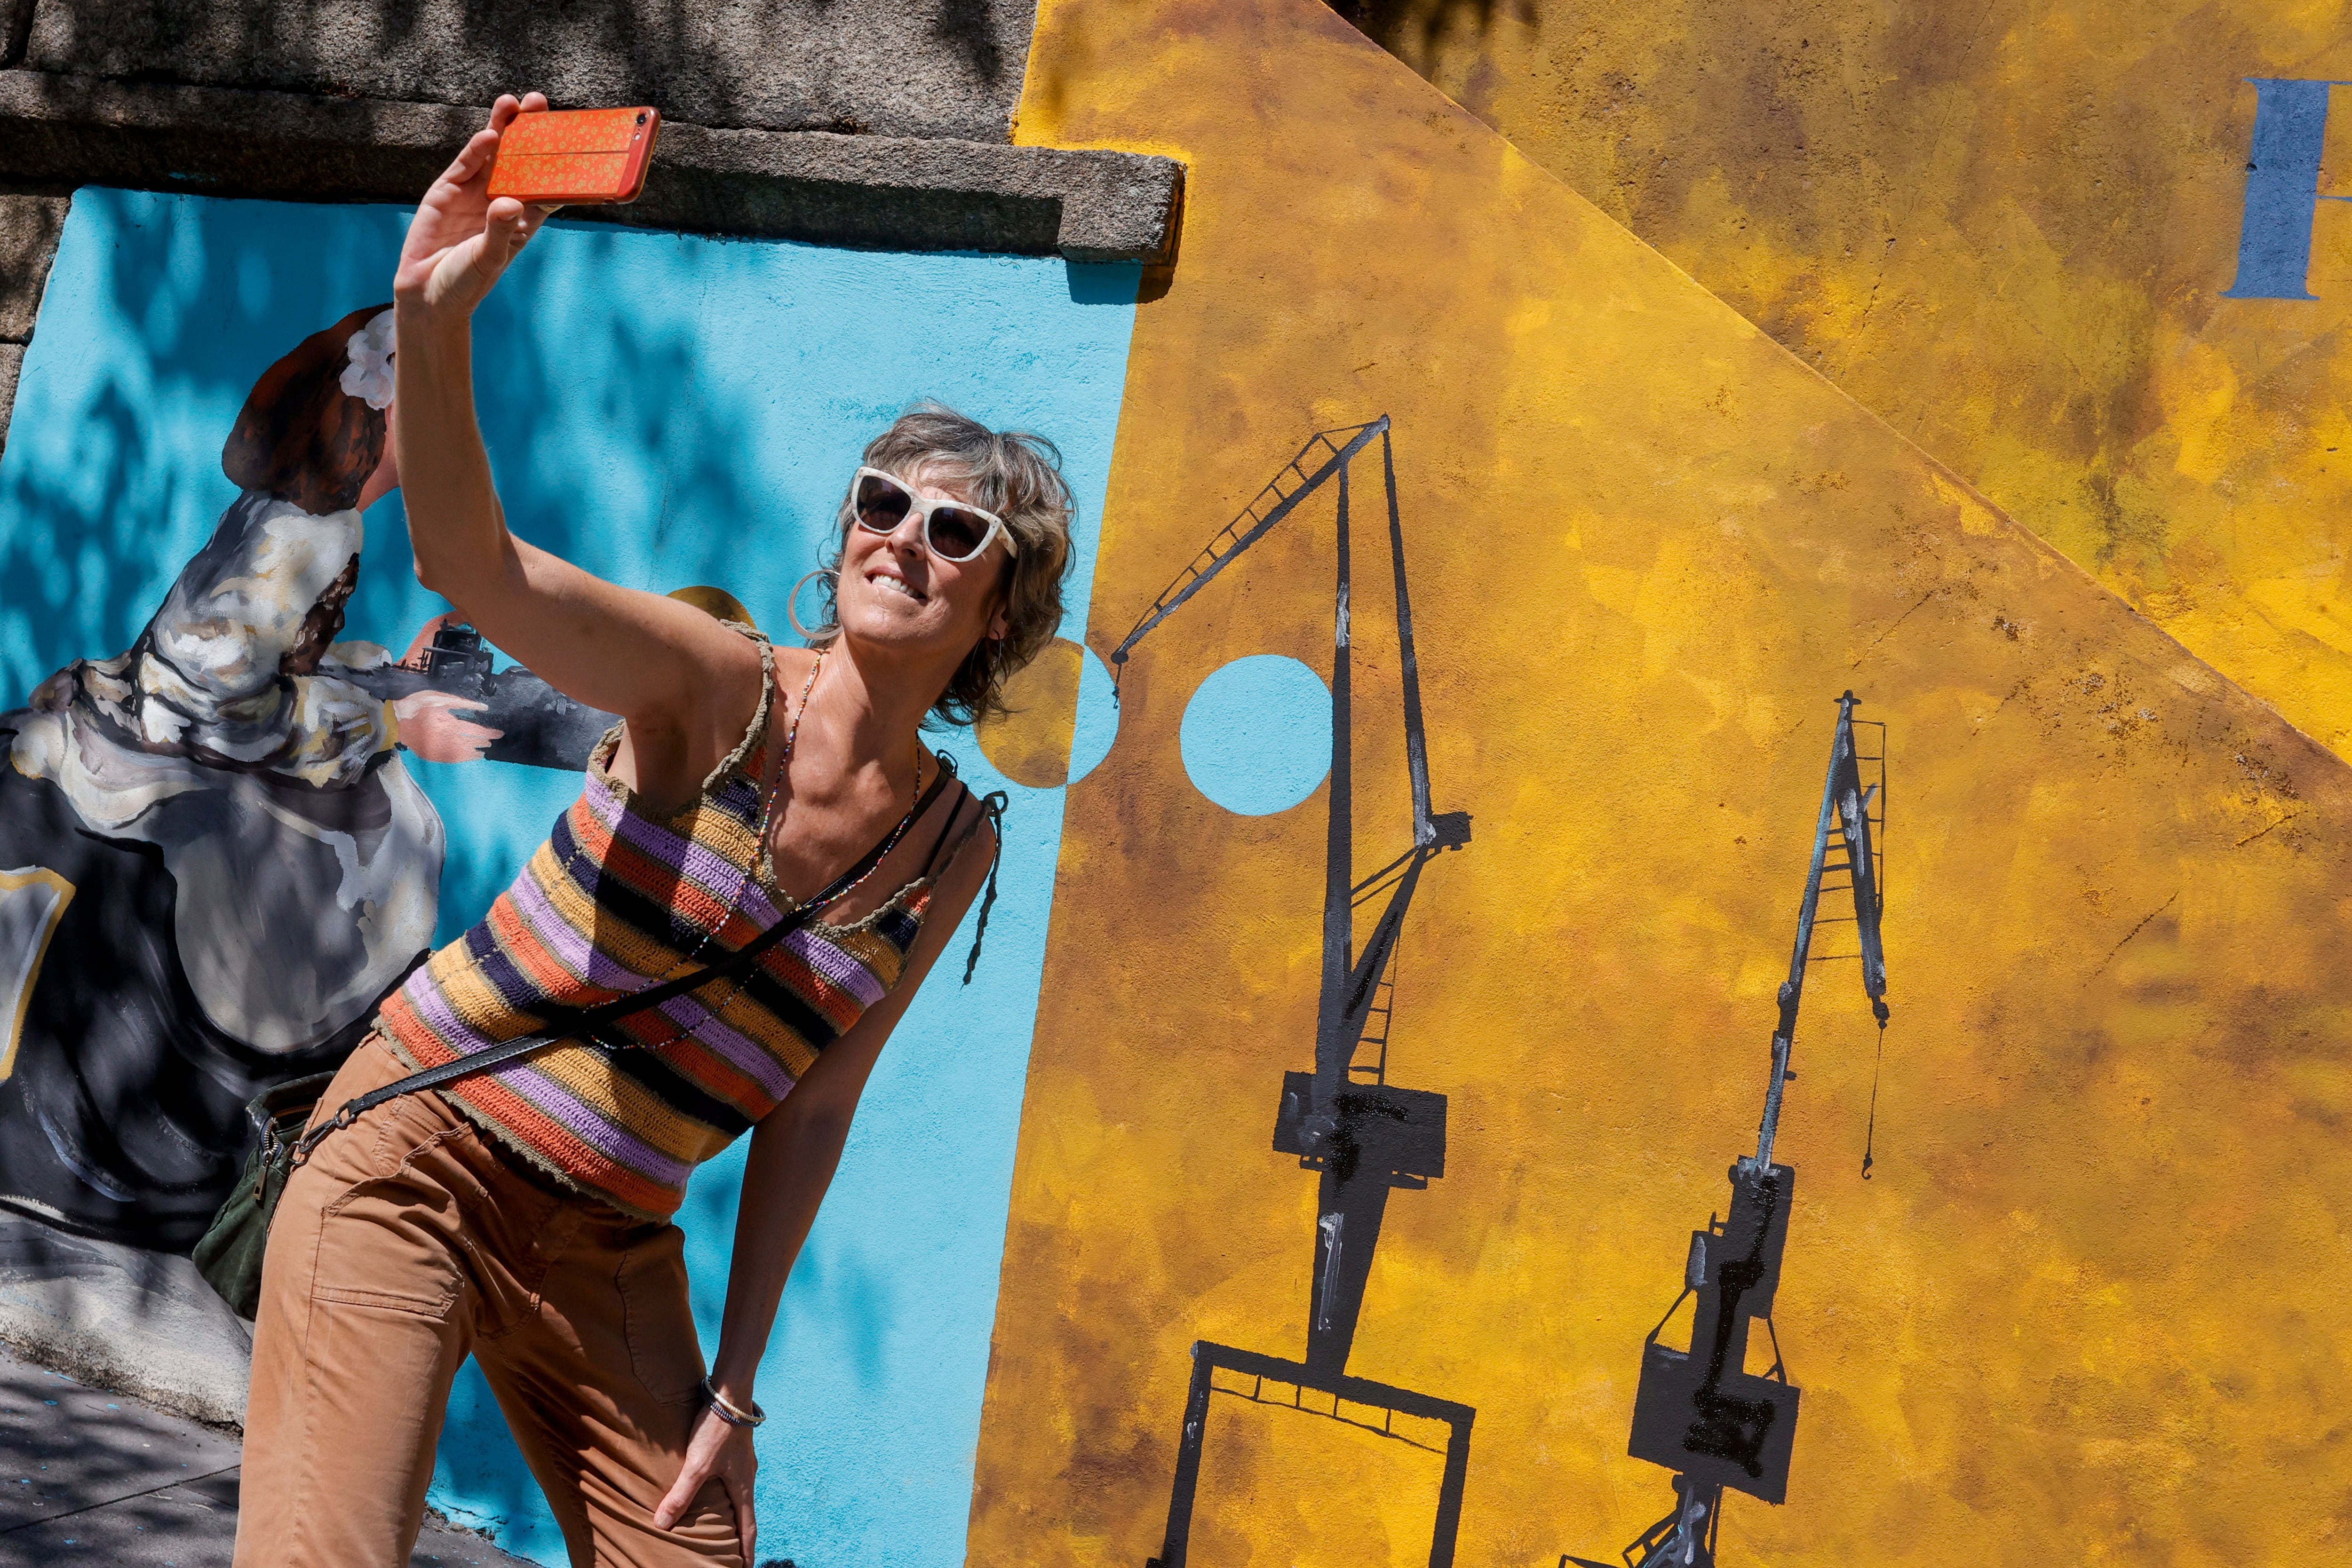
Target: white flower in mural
[[369, 375]]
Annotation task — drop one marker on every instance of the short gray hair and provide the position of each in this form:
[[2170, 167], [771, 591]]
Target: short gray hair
[[1015, 475]]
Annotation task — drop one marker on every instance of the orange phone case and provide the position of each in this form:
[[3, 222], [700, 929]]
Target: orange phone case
[[579, 155]]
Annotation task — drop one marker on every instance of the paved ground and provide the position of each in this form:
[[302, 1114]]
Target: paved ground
[[99, 1478], [118, 1317]]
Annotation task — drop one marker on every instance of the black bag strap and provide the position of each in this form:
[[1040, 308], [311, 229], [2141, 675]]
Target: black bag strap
[[582, 1021]]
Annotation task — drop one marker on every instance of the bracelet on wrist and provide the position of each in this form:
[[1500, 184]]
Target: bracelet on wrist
[[728, 1411]]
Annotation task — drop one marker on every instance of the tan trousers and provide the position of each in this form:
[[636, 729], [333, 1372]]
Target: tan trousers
[[406, 1243]]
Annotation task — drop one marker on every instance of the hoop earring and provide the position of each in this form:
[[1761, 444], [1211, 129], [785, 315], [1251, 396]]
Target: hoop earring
[[791, 602]]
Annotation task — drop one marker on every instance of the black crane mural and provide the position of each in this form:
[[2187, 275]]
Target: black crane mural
[[1364, 1136], [1698, 1412]]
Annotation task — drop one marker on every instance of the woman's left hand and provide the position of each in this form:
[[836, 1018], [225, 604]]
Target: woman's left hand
[[721, 1449]]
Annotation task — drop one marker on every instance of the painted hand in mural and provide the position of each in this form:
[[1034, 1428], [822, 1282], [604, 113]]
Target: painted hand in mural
[[429, 722], [430, 727], [461, 240], [420, 645]]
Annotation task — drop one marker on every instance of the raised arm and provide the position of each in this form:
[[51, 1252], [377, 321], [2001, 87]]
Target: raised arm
[[685, 683]]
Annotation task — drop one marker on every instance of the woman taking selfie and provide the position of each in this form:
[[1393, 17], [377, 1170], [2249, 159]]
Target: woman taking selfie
[[518, 1212]]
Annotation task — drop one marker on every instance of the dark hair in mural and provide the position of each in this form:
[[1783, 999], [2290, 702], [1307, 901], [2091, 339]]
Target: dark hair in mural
[[1363, 1136], [301, 437], [1017, 475]]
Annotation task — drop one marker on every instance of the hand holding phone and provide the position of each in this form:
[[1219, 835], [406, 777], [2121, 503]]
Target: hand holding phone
[[554, 157], [457, 244], [513, 172]]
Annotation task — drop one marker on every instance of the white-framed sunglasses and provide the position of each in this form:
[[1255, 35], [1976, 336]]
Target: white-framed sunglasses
[[951, 531]]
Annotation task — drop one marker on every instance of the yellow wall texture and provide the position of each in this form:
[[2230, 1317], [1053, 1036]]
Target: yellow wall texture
[[2004, 226], [2091, 1304]]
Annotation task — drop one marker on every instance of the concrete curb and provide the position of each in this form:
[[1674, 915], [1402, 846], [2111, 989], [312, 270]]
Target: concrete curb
[[875, 191], [142, 1323], [93, 1476]]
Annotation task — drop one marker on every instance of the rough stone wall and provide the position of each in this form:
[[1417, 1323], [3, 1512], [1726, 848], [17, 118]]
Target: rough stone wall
[[29, 222], [890, 192], [15, 25], [896, 68]]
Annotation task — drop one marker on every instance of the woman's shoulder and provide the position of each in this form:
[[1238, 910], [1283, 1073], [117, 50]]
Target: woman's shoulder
[[969, 819], [793, 663]]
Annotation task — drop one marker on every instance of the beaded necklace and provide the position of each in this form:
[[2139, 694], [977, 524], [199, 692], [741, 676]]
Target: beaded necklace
[[764, 862], [784, 762]]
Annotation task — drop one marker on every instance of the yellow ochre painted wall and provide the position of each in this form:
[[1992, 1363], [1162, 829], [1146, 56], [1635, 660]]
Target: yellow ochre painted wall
[[2090, 1303], [2005, 227]]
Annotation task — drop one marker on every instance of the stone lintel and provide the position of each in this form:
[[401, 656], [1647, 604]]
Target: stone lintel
[[873, 192]]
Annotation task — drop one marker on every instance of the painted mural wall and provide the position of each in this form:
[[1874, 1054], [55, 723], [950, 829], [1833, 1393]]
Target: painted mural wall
[[254, 773], [1348, 1149], [2097, 259], [2070, 1297]]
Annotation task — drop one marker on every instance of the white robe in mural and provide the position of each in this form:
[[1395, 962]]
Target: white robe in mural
[[178, 743], [300, 869]]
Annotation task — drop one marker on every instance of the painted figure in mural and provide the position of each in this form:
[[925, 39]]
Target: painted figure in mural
[[520, 1213], [213, 864]]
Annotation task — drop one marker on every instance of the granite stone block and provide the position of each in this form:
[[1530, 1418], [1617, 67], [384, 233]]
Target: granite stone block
[[891, 68], [12, 359], [29, 225], [887, 192]]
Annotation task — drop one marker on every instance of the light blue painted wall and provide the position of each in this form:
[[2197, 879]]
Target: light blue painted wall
[[664, 409], [1256, 734]]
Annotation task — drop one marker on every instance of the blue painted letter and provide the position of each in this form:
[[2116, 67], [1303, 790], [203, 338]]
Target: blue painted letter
[[2282, 185]]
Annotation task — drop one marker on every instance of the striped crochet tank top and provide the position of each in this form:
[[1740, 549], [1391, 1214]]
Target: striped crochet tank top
[[619, 899]]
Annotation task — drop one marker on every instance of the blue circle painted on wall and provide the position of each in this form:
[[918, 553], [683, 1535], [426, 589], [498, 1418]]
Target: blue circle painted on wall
[[1097, 725], [1256, 735]]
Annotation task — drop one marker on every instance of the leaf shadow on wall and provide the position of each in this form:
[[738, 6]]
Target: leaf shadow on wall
[[1398, 25], [832, 1282], [613, 449], [201, 299], [78, 571], [649, 396], [769, 63]]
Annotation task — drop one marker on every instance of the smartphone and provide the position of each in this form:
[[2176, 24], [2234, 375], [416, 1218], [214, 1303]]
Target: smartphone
[[575, 155]]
